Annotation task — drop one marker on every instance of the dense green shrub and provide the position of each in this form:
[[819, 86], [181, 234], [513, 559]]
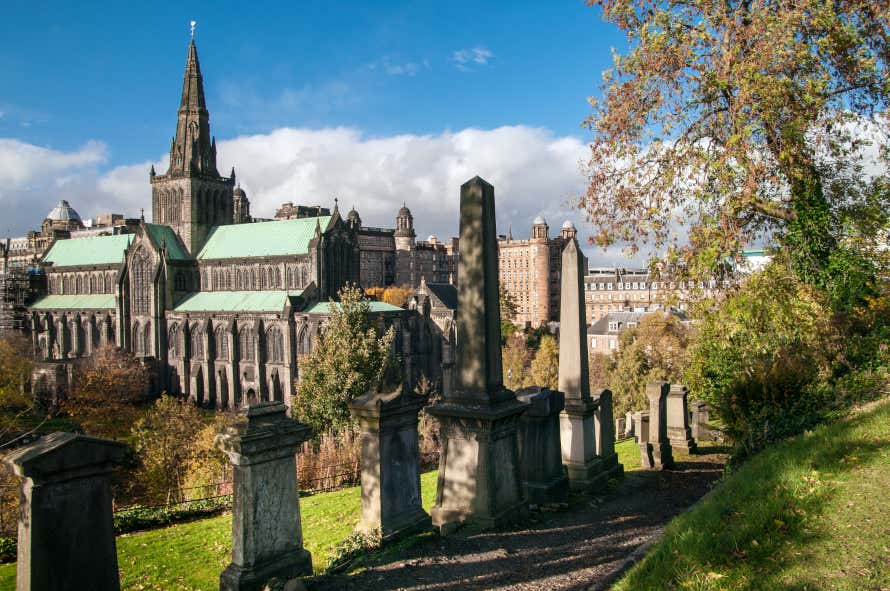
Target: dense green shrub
[[138, 518], [774, 358]]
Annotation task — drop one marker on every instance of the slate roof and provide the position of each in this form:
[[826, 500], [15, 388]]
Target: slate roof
[[164, 235], [96, 301], [95, 250], [376, 307], [236, 301], [262, 239], [445, 293]]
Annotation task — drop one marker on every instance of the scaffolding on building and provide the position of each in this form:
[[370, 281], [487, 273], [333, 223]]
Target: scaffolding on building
[[18, 287]]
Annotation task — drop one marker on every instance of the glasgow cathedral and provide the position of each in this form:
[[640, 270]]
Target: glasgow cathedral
[[219, 307]]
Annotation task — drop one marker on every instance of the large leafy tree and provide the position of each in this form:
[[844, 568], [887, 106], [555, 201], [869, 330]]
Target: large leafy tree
[[349, 357], [729, 121]]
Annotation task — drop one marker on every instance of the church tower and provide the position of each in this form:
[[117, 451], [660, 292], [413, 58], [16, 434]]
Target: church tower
[[192, 196]]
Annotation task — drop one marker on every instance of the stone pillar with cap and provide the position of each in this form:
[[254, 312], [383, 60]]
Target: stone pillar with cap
[[577, 422], [678, 431], [700, 415], [604, 426], [267, 538], [641, 424], [391, 497], [479, 479], [543, 475], [659, 445], [66, 530]]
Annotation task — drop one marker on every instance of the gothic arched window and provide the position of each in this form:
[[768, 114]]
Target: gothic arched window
[[141, 284], [246, 344], [146, 339], [137, 338], [174, 341], [197, 343], [108, 283], [79, 286], [274, 345], [221, 342]]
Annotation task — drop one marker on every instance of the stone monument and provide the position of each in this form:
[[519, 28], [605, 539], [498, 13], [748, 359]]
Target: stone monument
[[641, 423], [65, 530], [543, 474], [267, 538], [678, 431], [629, 426], [391, 500], [659, 446], [479, 480], [604, 426], [577, 422], [700, 417]]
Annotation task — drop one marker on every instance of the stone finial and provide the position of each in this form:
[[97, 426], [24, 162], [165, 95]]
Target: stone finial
[[66, 529], [574, 378]]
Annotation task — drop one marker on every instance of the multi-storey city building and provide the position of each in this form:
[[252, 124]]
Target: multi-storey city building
[[530, 272], [430, 260]]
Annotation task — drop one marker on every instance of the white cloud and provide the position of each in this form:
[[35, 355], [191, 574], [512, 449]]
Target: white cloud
[[534, 171], [396, 68], [465, 58], [22, 164]]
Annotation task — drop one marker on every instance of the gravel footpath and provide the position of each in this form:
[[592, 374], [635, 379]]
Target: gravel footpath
[[577, 548]]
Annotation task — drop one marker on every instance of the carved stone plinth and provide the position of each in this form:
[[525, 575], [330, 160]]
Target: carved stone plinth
[[678, 431], [66, 530], [267, 538], [391, 499], [659, 444], [479, 479], [543, 474]]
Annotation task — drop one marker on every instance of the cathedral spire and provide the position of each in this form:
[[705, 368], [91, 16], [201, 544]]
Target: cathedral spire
[[193, 150]]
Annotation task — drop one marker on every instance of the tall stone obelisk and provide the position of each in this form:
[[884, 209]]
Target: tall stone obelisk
[[479, 477], [577, 422]]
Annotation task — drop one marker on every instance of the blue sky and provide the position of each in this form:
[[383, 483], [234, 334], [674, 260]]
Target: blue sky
[[98, 89]]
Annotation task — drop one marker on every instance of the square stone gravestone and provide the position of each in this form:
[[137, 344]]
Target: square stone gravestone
[[659, 444], [604, 426], [678, 431], [543, 474], [66, 529], [267, 537], [641, 424], [700, 417], [391, 498], [479, 478]]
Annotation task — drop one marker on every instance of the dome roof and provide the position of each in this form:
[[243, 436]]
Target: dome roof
[[404, 211], [568, 225], [539, 221], [63, 212], [432, 238], [353, 216], [239, 191]]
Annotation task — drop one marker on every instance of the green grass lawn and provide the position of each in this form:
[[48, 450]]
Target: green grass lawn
[[806, 514], [190, 556]]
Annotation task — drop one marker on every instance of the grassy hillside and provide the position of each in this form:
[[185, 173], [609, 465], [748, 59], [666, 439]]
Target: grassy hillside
[[809, 513]]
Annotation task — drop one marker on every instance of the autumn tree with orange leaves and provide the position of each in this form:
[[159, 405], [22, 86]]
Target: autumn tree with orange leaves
[[741, 120]]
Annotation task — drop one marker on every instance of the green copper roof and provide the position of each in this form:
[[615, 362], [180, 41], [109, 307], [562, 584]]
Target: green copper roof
[[164, 235], [376, 307], [96, 301], [262, 239], [95, 250], [235, 301]]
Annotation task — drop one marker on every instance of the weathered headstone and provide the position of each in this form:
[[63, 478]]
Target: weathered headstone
[[66, 531], [641, 423], [543, 474], [629, 425], [391, 500], [267, 537], [620, 426], [659, 445], [479, 479], [578, 429], [700, 416], [605, 434], [678, 431]]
